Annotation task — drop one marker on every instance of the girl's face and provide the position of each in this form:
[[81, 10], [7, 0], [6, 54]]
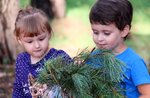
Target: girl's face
[[109, 37], [36, 46]]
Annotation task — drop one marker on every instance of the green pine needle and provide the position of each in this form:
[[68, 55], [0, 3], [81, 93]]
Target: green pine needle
[[83, 80]]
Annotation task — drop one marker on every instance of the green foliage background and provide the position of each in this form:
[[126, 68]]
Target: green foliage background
[[78, 10]]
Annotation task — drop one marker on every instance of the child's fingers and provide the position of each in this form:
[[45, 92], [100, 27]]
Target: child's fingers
[[78, 62]]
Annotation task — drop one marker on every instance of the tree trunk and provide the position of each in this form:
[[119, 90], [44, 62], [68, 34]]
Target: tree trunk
[[53, 8], [59, 8], [8, 44], [45, 5]]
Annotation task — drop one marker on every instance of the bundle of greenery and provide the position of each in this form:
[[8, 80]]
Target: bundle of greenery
[[84, 79]]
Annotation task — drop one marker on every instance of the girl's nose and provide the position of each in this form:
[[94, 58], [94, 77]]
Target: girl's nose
[[36, 44]]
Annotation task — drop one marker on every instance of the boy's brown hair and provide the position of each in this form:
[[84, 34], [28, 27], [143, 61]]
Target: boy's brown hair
[[105, 12]]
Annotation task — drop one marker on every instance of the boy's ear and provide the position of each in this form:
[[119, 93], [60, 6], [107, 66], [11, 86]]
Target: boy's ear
[[125, 31]]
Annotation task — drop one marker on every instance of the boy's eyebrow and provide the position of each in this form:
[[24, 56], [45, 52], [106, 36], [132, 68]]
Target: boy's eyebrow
[[106, 30], [94, 29]]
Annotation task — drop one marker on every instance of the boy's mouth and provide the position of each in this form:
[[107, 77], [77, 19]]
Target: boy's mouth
[[102, 46]]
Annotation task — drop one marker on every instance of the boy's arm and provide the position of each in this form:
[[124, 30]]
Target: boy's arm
[[141, 78], [144, 90]]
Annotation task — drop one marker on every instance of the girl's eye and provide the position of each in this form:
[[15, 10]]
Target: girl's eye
[[41, 39], [29, 41]]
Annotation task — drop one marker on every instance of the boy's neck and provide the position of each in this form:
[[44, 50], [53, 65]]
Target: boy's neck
[[120, 49]]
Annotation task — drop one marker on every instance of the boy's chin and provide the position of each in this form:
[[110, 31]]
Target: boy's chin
[[101, 47]]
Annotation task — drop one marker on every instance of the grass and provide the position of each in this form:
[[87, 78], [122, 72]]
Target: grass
[[24, 3]]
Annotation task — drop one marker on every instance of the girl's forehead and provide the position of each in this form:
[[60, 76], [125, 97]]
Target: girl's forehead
[[29, 34]]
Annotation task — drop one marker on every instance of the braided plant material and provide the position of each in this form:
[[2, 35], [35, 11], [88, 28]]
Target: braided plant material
[[84, 80]]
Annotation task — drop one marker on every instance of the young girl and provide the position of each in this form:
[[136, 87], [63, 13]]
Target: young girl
[[111, 22], [33, 32]]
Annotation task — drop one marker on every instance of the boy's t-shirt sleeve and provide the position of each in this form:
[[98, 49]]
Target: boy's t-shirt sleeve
[[139, 73]]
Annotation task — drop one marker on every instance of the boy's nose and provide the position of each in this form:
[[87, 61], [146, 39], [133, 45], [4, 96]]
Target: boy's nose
[[100, 38]]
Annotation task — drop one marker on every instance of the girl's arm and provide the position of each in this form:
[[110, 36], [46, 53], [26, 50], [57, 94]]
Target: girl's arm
[[20, 87]]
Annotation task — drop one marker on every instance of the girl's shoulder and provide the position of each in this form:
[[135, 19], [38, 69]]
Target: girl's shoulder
[[22, 60], [54, 51], [23, 55]]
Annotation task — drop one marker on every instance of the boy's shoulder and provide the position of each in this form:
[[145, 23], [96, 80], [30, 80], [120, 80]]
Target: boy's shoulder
[[132, 53], [129, 55]]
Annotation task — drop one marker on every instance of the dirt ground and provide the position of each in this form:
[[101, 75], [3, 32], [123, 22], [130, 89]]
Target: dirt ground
[[6, 80]]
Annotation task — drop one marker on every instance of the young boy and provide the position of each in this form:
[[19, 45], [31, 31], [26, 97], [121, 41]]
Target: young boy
[[111, 22]]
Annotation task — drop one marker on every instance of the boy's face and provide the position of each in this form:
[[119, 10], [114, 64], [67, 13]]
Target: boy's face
[[109, 37], [36, 46]]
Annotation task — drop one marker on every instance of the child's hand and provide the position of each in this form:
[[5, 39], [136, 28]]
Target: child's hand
[[77, 61]]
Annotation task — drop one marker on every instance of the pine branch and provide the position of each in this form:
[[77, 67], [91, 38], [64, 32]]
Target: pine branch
[[85, 80]]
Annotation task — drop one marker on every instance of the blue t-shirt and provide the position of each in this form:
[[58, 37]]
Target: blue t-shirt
[[136, 72], [24, 67]]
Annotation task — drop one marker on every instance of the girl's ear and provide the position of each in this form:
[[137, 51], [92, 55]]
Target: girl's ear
[[49, 35], [125, 31], [19, 41]]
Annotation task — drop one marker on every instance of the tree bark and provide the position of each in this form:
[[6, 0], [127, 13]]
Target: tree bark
[[53, 8], [45, 5], [59, 8], [9, 47]]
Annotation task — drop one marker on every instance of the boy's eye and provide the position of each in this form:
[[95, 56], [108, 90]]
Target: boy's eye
[[95, 32], [106, 33]]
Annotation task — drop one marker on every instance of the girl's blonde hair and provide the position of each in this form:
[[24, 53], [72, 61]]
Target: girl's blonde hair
[[31, 22]]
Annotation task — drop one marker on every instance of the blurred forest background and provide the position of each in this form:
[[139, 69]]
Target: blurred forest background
[[72, 32]]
